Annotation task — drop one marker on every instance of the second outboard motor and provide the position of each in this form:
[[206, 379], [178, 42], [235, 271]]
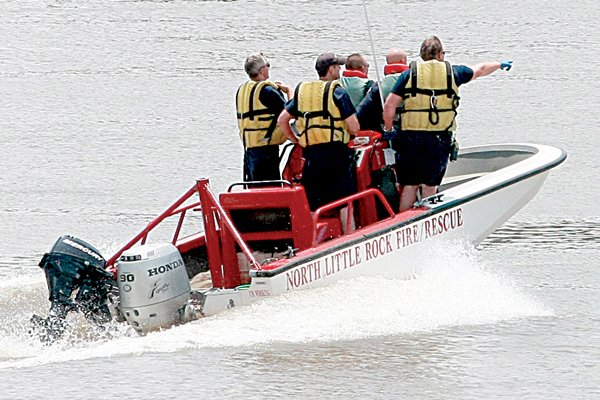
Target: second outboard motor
[[73, 267], [154, 287]]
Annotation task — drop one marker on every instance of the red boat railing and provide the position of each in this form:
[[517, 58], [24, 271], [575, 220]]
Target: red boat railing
[[349, 202], [209, 200], [201, 187], [143, 235], [220, 235]]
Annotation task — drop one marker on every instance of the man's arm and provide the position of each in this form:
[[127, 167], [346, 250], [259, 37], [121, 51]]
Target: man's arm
[[389, 110], [353, 125], [272, 98], [284, 89], [486, 68], [284, 123]]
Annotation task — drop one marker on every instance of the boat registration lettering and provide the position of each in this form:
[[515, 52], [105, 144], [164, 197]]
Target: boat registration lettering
[[259, 293]]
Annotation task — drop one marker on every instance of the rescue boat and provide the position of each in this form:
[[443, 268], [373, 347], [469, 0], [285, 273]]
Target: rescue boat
[[260, 239]]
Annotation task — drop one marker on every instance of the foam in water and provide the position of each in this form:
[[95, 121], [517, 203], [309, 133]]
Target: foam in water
[[451, 289]]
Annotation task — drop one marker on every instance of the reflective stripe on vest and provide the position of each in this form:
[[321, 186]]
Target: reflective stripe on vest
[[319, 119], [430, 98], [257, 124]]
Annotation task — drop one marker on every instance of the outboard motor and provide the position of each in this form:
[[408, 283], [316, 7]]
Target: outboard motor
[[154, 287], [73, 267]]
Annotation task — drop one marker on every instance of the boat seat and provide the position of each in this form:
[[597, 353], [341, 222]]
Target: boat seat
[[271, 214]]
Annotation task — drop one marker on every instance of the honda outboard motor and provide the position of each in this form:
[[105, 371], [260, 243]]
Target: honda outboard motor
[[73, 267], [154, 287]]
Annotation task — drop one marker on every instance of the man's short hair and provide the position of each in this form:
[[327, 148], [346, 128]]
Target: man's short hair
[[254, 63], [326, 60], [430, 48], [355, 61]]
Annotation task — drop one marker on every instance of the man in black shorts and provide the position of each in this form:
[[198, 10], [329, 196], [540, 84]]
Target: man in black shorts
[[427, 94]]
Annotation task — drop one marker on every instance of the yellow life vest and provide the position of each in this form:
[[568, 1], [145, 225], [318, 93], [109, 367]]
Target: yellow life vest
[[430, 98], [319, 118], [258, 126]]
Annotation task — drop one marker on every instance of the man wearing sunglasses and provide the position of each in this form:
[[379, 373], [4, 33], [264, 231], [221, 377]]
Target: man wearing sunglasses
[[259, 102]]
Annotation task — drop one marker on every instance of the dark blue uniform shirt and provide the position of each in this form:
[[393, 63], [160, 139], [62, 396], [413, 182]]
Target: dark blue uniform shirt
[[273, 99]]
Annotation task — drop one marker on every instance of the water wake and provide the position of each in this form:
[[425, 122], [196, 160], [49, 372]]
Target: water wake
[[554, 235], [451, 289]]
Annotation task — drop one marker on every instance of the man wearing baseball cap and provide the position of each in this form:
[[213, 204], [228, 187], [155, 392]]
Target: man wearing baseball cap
[[325, 121]]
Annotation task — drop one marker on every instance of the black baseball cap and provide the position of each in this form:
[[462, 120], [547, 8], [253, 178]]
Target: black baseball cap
[[325, 60]]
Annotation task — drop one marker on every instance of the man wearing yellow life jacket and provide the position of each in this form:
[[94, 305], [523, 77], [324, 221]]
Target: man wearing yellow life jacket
[[370, 110], [325, 121], [259, 102], [355, 78], [427, 95]]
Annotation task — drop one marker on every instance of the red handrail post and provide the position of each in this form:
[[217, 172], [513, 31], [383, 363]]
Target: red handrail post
[[213, 247]]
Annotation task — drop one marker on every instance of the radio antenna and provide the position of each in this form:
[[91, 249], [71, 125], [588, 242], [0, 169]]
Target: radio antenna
[[373, 52]]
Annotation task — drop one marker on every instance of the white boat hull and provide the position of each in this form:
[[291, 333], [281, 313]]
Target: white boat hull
[[467, 212]]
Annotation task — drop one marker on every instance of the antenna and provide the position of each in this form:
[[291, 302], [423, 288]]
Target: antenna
[[374, 56]]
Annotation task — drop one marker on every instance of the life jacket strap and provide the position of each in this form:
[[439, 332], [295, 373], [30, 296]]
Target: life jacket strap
[[413, 78], [255, 113], [449, 79]]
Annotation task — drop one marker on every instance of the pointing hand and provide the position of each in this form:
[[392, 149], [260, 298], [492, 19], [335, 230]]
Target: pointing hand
[[506, 65]]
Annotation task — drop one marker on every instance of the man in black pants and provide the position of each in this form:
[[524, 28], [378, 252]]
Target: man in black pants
[[259, 102], [326, 121]]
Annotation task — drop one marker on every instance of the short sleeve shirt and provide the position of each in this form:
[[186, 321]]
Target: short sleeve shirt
[[462, 74]]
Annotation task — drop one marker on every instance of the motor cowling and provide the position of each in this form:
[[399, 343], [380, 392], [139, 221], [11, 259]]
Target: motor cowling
[[77, 281], [154, 288]]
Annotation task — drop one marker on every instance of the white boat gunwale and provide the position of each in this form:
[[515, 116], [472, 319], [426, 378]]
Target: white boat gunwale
[[446, 203]]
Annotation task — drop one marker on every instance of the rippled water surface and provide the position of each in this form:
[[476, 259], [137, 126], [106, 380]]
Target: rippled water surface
[[111, 109]]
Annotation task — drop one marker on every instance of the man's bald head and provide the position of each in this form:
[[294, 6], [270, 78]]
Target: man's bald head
[[396, 56]]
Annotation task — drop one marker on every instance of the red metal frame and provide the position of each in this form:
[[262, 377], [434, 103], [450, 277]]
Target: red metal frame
[[221, 236], [349, 202], [211, 209], [143, 235]]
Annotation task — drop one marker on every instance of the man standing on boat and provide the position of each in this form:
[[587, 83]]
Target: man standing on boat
[[370, 110], [427, 95], [259, 102], [326, 120], [355, 78]]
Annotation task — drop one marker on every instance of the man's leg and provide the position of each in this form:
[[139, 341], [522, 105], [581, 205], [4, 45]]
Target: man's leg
[[429, 190], [408, 197]]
